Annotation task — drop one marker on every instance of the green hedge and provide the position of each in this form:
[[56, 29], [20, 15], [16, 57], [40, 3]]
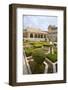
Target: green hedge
[[32, 43], [40, 44], [52, 57], [38, 56], [55, 51], [36, 68], [28, 51], [37, 45]]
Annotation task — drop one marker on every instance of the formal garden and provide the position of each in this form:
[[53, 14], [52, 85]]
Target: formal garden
[[41, 57]]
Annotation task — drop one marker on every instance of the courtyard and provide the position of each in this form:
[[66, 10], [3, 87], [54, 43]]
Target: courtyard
[[39, 57]]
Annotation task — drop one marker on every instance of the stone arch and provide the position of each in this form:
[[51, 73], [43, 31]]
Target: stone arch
[[31, 35]]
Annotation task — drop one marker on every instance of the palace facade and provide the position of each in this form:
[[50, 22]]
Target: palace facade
[[35, 34]]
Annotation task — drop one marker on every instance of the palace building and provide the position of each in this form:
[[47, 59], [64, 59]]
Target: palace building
[[35, 34], [52, 33]]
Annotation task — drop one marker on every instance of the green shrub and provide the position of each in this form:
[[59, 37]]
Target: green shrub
[[37, 45], [28, 51], [36, 68], [39, 68], [32, 43], [48, 45], [55, 51], [52, 57], [38, 56]]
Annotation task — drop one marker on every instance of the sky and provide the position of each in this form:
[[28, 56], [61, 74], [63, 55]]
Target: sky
[[41, 22]]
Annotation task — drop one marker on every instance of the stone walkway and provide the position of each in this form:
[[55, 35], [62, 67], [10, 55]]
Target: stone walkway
[[25, 69]]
